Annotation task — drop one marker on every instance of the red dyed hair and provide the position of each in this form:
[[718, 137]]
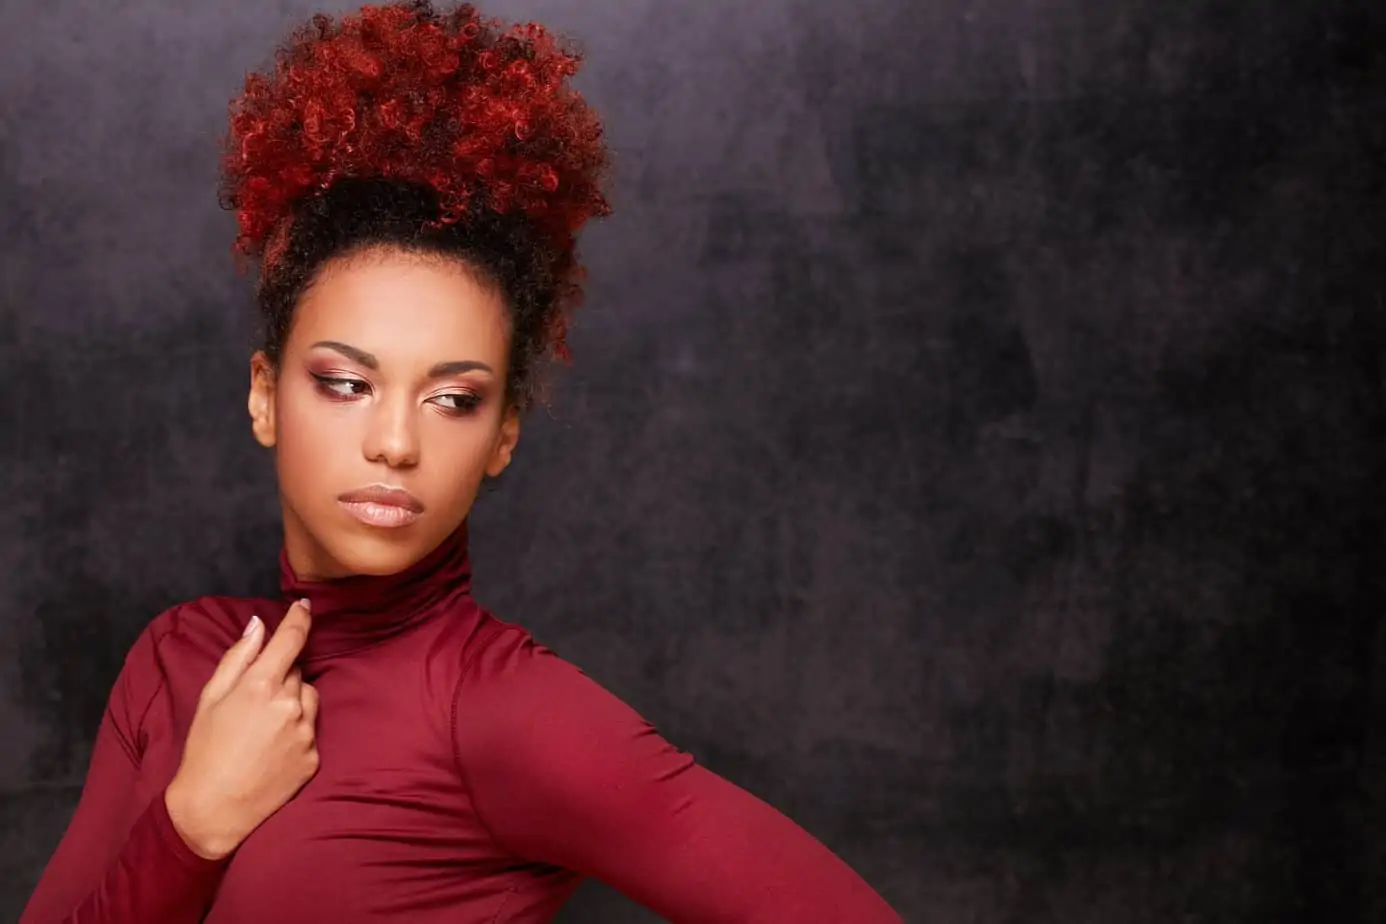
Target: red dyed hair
[[481, 113]]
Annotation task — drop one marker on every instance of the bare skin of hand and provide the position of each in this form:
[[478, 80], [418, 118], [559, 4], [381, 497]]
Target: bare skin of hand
[[252, 743]]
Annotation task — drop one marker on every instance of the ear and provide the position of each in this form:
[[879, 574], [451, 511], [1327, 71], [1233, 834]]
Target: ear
[[261, 402], [505, 443]]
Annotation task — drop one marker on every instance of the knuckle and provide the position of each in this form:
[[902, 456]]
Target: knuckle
[[287, 708]]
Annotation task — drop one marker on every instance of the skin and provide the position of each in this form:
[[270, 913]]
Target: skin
[[393, 373], [336, 423]]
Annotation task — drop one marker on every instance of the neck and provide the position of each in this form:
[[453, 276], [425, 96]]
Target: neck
[[358, 611]]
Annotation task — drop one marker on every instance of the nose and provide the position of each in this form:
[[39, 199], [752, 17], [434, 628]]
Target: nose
[[393, 436]]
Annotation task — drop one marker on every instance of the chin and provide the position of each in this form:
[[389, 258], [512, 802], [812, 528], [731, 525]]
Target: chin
[[379, 552]]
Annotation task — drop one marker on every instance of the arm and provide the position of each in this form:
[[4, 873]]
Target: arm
[[563, 772], [107, 870]]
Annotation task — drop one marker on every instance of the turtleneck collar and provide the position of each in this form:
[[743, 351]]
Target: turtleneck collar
[[355, 612]]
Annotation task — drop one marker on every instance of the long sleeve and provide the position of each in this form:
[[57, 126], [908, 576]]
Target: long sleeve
[[563, 772], [121, 863]]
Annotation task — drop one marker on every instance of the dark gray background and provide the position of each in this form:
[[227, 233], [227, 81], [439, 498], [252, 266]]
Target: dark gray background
[[976, 443]]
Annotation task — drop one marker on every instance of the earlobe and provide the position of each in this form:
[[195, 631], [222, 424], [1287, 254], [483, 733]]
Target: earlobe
[[261, 399], [505, 444]]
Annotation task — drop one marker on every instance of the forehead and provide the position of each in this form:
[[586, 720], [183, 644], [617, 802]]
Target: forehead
[[404, 307]]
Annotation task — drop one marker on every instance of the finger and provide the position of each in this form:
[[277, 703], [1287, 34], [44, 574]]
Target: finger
[[292, 682], [235, 661], [280, 651], [308, 696]]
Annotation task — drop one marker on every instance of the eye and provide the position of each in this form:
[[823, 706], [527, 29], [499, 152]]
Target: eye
[[457, 403], [339, 388]]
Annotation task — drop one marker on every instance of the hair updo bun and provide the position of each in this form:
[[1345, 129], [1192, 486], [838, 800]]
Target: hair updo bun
[[435, 132]]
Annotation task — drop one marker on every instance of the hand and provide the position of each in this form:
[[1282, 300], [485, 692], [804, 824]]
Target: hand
[[252, 743]]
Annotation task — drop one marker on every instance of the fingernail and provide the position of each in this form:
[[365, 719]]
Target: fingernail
[[307, 606], [251, 627]]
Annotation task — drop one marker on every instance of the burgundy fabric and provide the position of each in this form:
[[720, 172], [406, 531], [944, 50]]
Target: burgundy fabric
[[468, 775]]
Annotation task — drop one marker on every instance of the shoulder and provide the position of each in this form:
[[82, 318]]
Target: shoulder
[[514, 695], [472, 644], [203, 625], [174, 645], [503, 667], [542, 747], [503, 651]]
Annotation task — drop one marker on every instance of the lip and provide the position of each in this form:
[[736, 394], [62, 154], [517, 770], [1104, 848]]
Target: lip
[[382, 505]]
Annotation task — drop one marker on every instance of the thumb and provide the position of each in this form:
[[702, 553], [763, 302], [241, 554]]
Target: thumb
[[237, 658]]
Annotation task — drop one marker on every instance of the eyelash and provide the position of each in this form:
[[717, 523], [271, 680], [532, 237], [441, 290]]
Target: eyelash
[[466, 402]]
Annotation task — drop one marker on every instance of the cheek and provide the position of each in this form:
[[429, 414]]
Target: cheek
[[456, 452], [313, 438]]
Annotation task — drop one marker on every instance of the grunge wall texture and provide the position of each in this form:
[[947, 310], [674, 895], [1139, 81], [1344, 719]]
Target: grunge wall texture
[[976, 446]]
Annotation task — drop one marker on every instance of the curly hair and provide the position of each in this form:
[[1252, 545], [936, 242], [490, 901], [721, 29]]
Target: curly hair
[[435, 132]]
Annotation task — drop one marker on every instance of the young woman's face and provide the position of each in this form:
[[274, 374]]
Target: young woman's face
[[388, 409]]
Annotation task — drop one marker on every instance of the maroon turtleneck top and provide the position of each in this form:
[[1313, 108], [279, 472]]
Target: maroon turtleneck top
[[468, 775]]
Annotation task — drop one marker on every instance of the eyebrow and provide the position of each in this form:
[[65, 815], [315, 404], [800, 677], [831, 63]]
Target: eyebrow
[[438, 371]]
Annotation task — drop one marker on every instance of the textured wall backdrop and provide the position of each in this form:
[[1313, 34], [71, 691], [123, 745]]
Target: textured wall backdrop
[[976, 446]]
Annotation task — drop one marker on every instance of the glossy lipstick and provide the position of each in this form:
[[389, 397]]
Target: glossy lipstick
[[382, 505]]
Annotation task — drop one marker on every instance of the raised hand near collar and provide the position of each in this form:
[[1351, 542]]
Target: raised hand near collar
[[252, 744]]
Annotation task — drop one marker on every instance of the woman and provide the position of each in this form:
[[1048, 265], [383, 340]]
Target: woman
[[412, 182]]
